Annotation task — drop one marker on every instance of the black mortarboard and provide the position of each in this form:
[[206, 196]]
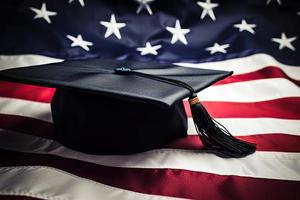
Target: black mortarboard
[[122, 107]]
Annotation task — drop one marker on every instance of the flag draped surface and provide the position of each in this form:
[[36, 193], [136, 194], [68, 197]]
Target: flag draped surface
[[257, 39]]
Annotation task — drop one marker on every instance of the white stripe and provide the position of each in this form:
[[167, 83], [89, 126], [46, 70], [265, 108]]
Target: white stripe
[[251, 91], [248, 64], [13, 61], [237, 126], [37, 110], [273, 165], [254, 126], [238, 65], [53, 184]]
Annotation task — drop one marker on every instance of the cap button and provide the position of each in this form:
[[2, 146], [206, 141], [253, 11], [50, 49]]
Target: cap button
[[122, 70]]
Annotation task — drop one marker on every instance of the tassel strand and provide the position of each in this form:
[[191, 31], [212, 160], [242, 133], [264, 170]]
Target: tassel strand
[[214, 136]]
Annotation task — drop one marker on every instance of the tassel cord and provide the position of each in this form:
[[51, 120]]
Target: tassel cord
[[214, 136]]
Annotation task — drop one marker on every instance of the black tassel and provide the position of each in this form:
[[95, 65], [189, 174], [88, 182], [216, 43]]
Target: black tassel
[[214, 136]]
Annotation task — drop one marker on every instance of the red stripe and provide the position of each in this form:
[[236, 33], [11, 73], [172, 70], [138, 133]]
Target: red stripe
[[168, 182], [44, 94], [264, 73], [284, 108], [264, 142], [27, 92], [27, 125]]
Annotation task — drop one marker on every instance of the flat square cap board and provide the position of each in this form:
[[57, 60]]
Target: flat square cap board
[[120, 107], [98, 76]]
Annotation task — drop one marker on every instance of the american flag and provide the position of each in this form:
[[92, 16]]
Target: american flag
[[257, 39]]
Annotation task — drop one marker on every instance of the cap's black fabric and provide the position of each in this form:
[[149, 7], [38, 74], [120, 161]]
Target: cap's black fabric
[[98, 111], [102, 125], [98, 76]]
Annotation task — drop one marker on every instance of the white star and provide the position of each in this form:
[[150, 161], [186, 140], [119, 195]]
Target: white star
[[148, 49], [244, 26], [269, 1], [78, 41], [80, 1], [178, 33], [298, 13], [218, 48], [144, 4], [112, 27], [208, 9], [43, 13], [285, 42]]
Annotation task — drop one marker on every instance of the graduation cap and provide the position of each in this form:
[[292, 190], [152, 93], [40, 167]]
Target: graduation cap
[[121, 107]]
